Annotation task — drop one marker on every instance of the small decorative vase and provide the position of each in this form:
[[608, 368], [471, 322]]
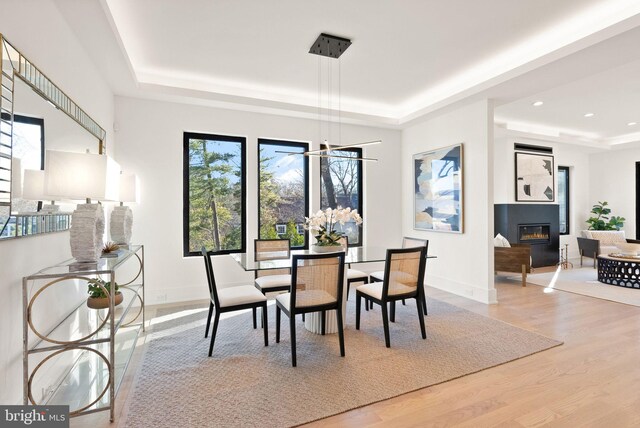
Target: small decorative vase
[[326, 248], [103, 302]]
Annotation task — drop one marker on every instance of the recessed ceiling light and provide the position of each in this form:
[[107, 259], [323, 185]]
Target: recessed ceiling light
[[589, 114], [537, 104], [632, 123]]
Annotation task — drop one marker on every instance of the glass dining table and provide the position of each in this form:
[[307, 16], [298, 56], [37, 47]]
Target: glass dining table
[[354, 255]]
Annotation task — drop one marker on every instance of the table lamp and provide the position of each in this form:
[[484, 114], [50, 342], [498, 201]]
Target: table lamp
[[33, 190], [83, 176], [122, 216]]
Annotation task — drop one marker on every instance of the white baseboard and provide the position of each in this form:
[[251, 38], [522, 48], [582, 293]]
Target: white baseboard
[[483, 295], [181, 294]]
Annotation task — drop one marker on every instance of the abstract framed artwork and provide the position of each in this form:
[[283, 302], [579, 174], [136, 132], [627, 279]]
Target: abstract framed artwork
[[534, 178], [438, 195]]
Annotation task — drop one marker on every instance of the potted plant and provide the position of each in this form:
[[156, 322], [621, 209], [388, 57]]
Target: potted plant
[[98, 298], [601, 220], [325, 223]]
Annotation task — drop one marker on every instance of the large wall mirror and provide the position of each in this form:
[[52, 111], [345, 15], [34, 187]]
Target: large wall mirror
[[35, 115]]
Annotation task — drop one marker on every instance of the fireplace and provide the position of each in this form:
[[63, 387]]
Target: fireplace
[[535, 224], [534, 233]]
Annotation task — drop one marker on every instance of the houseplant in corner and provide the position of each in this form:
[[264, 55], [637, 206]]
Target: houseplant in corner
[[600, 219], [98, 298], [324, 223]]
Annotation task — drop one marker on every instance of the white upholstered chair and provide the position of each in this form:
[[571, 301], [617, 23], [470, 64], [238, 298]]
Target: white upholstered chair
[[229, 300], [403, 279], [272, 280], [353, 275], [407, 242], [318, 283]]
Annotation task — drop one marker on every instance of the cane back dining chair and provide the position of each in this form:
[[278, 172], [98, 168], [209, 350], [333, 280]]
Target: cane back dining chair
[[271, 280], [353, 275], [407, 242], [403, 279], [229, 300], [317, 286]]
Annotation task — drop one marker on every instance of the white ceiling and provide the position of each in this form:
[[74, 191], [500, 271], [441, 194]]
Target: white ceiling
[[408, 58]]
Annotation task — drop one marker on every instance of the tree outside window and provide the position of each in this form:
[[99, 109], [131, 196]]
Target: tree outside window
[[214, 189], [283, 192], [341, 186]]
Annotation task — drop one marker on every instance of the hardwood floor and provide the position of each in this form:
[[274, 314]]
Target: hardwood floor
[[590, 381]]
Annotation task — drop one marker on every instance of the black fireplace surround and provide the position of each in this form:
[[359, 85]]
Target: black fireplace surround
[[534, 224]]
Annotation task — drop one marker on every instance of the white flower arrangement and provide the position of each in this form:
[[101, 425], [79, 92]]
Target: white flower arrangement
[[325, 222]]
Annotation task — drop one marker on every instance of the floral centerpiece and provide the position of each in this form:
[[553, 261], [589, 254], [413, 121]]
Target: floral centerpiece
[[324, 223]]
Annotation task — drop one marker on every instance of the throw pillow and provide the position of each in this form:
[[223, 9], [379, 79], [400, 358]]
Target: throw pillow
[[500, 241], [608, 237]]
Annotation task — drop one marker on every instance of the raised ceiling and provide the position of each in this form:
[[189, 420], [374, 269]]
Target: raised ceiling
[[408, 58]]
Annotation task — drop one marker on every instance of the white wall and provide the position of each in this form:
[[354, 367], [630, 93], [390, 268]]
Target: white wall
[[38, 30], [150, 135], [574, 156], [464, 263], [613, 179]]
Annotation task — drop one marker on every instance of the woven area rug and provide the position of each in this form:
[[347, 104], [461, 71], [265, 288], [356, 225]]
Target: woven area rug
[[585, 281], [248, 384]]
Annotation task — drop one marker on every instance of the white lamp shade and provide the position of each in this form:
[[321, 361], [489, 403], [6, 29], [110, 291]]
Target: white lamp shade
[[129, 188], [81, 175], [33, 186], [16, 178]]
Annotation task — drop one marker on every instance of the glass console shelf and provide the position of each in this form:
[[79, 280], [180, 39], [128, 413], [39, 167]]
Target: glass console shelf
[[80, 359]]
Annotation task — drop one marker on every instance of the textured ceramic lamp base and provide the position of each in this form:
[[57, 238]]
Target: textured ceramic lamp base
[[87, 229], [121, 224]]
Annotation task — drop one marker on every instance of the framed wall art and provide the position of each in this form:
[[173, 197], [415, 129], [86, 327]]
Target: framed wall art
[[438, 195], [534, 177]]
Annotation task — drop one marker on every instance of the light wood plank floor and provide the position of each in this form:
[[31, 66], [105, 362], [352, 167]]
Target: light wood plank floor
[[592, 380]]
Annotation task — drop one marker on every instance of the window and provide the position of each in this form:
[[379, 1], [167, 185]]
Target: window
[[283, 192], [563, 198], [214, 193], [341, 185], [28, 146]]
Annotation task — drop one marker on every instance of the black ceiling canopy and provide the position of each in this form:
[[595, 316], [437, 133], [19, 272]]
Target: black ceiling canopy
[[328, 45]]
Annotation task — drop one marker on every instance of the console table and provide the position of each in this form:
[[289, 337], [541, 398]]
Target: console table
[[621, 271], [81, 361]]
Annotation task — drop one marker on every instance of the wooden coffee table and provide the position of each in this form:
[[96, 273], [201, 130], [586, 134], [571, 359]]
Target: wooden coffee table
[[620, 270]]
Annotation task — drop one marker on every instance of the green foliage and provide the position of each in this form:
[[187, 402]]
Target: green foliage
[[270, 198], [96, 291], [601, 220], [268, 231], [292, 234], [215, 201], [280, 202], [324, 239]]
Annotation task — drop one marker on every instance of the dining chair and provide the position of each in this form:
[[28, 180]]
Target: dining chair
[[407, 242], [229, 300], [353, 275], [271, 280], [317, 286], [403, 279]]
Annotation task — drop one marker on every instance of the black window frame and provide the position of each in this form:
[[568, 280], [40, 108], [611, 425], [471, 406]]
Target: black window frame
[[358, 152], [38, 122], [287, 143], [567, 202], [185, 190]]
